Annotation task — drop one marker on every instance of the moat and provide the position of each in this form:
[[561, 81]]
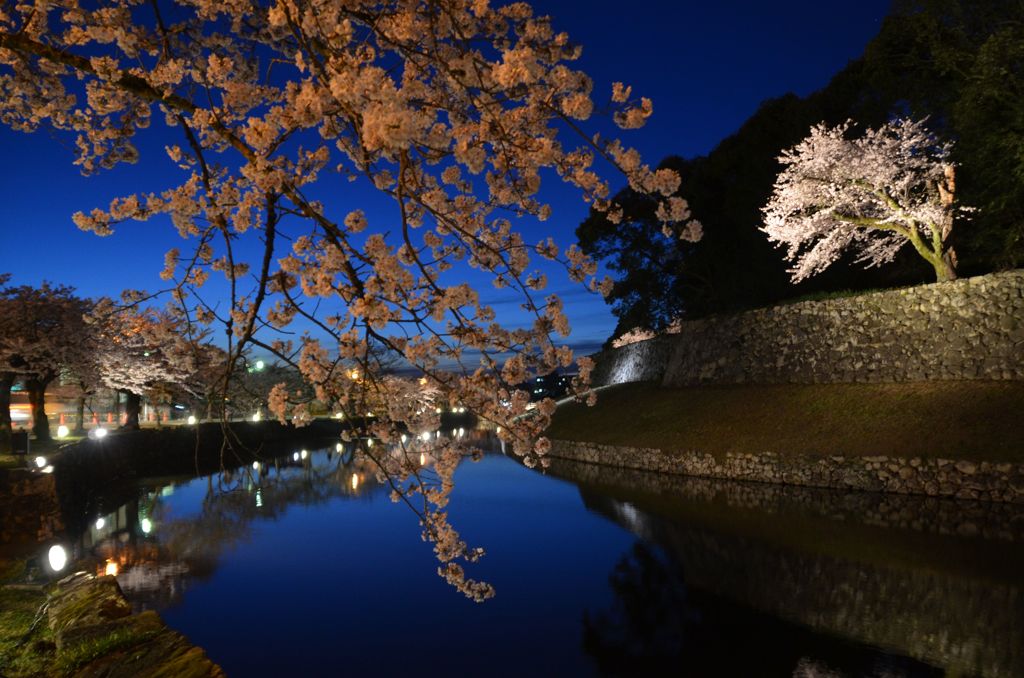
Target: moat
[[302, 565]]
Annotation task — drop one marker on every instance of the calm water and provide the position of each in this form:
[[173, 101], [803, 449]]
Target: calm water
[[289, 571]]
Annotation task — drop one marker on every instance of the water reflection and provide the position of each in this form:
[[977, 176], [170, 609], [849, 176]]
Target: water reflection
[[598, 571], [930, 594], [156, 550]]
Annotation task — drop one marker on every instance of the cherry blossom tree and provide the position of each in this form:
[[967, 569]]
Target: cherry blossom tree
[[139, 351], [41, 335], [450, 111], [872, 194]]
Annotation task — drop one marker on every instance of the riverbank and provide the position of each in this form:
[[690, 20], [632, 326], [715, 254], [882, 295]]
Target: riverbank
[[948, 439], [83, 626]]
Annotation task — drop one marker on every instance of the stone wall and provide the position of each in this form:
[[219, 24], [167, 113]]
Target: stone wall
[[971, 328], [932, 477]]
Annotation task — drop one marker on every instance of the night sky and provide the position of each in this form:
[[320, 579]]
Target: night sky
[[706, 66]]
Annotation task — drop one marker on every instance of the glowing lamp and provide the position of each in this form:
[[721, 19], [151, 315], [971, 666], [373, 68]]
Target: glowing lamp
[[100, 523], [423, 459], [304, 454], [256, 417], [110, 569], [40, 462], [255, 466], [146, 525], [337, 447], [57, 557], [62, 431], [355, 481], [98, 433], [191, 420]]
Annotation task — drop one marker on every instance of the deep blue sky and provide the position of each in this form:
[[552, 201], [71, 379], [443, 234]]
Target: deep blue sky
[[707, 66]]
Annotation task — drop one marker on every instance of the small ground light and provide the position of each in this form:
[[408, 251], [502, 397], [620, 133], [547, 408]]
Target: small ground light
[[40, 462], [62, 431], [98, 433], [256, 417], [304, 454], [191, 420], [57, 557], [337, 447], [111, 568]]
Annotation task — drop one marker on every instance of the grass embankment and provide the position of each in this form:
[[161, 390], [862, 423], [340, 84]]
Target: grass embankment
[[976, 420], [22, 653]]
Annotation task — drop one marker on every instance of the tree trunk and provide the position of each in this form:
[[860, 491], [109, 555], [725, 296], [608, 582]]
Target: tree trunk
[[80, 415], [943, 268], [132, 406], [6, 382], [37, 401]]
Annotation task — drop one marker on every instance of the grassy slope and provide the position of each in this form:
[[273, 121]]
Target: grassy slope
[[981, 420]]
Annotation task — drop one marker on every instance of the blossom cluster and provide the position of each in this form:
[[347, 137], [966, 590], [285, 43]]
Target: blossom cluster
[[455, 111]]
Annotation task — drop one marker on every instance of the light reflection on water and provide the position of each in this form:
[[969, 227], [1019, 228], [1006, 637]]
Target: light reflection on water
[[303, 566]]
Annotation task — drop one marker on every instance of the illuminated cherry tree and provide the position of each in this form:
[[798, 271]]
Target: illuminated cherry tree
[[139, 352], [872, 195], [295, 121]]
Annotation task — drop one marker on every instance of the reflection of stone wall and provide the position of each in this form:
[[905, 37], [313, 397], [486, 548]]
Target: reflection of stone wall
[[1000, 522], [931, 477], [959, 619], [964, 329], [968, 626]]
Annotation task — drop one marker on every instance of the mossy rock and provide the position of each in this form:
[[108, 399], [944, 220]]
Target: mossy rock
[[97, 635]]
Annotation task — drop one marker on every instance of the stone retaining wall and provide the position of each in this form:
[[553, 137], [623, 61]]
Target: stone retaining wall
[[972, 328], [932, 477]]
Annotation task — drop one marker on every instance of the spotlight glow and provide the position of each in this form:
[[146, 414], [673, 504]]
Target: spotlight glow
[[57, 557], [100, 523], [111, 568], [40, 462], [191, 420], [146, 525], [98, 433], [62, 431]]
